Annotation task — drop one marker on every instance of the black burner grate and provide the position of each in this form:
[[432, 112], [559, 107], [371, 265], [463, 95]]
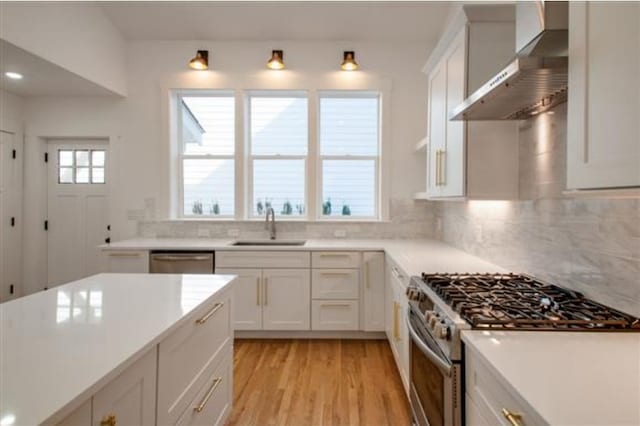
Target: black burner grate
[[520, 302]]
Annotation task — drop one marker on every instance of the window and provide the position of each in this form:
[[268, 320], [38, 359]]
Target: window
[[349, 154], [278, 138], [207, 151], [81, 166]]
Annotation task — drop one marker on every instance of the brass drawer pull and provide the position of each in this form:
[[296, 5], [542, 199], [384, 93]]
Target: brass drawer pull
[[335, 274], [258, 291], [396, 323], [266, 290], [334, 255], [124, 254], [513, 418], [366, 275], [335, 305], [443, 168], [108, 420], [209, 314], [207, 397]]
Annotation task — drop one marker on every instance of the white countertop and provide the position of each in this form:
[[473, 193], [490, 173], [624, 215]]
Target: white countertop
[[578, 378], [412, 256], [60, 346]]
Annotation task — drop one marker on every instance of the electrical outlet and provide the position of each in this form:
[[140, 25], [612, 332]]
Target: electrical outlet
[[203, 233], [233, 232], [339, 233]]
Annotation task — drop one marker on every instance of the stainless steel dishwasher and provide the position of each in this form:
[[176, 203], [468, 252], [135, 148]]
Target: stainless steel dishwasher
[[181, 262]]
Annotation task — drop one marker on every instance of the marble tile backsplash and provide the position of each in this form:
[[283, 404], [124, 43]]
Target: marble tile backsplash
[[591, 245], [409, 219]]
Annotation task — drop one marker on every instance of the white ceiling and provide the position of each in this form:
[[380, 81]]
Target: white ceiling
[[393, 21], [41, 77]]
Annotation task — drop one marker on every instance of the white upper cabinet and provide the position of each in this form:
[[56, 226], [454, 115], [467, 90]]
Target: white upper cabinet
[[603, 132], [476, 160]]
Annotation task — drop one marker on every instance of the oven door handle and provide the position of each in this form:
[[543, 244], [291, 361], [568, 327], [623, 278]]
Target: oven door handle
[[442, 365]]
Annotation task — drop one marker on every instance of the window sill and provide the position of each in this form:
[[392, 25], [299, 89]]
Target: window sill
[[278, 220]]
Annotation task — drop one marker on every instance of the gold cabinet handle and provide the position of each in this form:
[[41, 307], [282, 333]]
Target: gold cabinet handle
[[513, 418], [108, 420], [335, 274], [123, 254], [396, 331], [334, 255], [335, 305], [437, 166], [366, 275], [209, 314], [258, 291], [266, 290], [443, 168], [207, 397]]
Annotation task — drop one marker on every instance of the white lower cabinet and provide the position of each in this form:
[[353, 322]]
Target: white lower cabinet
[[286, 299], [186, 379], [247, 298], [128, 261], [130, 399], [212, 403], [373, 291], [395, 323], [334, 315], [489, 401], [271, 299]]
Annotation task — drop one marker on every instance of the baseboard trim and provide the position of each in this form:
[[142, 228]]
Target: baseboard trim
[[291, 334]]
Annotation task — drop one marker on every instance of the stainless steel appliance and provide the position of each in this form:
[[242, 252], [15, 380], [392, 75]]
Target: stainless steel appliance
[[441, 305], [537, 78], [181, 263]]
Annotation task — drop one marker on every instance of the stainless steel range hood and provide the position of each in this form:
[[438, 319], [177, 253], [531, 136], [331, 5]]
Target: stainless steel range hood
[[536, 80]]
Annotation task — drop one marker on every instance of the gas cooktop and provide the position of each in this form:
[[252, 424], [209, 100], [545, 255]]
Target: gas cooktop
[[513, 301]]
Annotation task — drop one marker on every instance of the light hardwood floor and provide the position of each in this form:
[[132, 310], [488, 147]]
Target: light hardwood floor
[[317, 382]]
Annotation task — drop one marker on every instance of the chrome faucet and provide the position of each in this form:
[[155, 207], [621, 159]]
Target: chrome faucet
[[271, 227]]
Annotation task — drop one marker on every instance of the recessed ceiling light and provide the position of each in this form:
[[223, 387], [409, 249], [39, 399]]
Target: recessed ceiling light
[[13, 75]]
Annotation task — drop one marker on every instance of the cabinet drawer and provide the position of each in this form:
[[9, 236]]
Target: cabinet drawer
[[128, 261], [491, 396], [263, 259], [212, 403], [186, 354], [334, 315], [335, 259], [335, 284]]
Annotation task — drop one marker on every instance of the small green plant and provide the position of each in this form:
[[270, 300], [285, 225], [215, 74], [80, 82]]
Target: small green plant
[[326, 207], [300, 209], [287, 209], [215, 208], [346, 211], [197, 207], [260, 206]]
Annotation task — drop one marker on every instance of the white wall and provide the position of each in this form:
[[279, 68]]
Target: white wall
[[76, 36], [11, 121], [138, 125]]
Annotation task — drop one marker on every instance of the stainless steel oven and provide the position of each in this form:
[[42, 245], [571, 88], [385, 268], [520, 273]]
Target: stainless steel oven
[[435, 380]]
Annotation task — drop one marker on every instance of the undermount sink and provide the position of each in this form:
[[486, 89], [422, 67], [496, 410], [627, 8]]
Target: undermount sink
[[269, 243]]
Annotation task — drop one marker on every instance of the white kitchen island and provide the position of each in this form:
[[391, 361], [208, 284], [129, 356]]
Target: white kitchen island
[[153, 346]]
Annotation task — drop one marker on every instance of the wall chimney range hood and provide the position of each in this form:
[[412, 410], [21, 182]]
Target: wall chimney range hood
[[536, 79]]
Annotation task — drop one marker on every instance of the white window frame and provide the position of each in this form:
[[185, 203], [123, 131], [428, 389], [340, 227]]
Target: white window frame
[[369, 94], [249, 156], [182, 156]]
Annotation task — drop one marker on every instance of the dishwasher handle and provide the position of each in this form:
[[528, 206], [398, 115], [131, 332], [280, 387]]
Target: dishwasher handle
[[179, 258]]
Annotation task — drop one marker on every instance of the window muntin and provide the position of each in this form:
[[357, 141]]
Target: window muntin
[[278, 146], [349, 146], [207, 151], [81, 166]]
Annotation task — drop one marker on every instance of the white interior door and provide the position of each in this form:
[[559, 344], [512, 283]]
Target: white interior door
[[78, 207]]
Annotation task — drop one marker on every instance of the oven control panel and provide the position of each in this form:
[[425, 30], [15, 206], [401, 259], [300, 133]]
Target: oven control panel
[[440, 326]]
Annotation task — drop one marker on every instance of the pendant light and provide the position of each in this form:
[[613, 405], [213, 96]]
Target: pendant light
[[200, 61], [349, 63], [277, 60]]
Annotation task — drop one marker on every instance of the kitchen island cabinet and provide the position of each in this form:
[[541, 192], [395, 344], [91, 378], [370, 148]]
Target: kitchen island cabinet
[[118, 349]]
